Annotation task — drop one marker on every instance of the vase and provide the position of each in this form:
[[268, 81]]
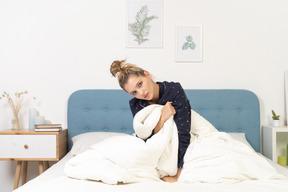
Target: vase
[[15, 123], [276, 123]]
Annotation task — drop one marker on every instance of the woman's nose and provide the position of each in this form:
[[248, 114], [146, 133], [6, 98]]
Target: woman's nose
[[143, 93]]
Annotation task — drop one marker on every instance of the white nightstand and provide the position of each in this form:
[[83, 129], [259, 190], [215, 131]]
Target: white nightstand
[[27, 145], [275, 140]]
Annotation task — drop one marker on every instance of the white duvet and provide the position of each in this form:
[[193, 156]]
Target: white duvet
[[127, 158], [212, 156]]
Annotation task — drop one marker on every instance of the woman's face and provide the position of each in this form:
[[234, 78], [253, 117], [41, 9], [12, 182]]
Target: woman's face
[[142, 87]]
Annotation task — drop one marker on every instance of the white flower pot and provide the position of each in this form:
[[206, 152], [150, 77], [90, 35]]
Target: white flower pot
[[276, 123]]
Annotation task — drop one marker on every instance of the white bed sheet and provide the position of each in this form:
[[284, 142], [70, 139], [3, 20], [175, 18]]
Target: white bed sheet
[[55, 180]]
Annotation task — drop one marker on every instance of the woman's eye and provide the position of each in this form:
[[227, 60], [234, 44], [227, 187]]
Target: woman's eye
[[134, 93], [140, 84]]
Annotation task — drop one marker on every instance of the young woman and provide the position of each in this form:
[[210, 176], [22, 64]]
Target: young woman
[[139, 83]]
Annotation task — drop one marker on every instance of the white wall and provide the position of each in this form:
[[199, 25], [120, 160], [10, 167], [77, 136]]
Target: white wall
[[54, 47]]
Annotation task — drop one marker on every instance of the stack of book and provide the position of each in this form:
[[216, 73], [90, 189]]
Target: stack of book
[[48, 127]]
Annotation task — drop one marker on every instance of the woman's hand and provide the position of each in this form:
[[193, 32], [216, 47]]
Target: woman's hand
[[172, 179], [167, 111]]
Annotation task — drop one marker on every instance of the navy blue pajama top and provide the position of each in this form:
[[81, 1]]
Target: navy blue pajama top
[[171, 91]]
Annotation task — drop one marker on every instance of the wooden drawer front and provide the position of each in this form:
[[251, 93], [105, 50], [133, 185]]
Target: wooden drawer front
[[28, 146]]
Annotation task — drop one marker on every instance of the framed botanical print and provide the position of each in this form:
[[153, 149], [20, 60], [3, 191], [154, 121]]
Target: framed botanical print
[[144, 23], [189, 44]]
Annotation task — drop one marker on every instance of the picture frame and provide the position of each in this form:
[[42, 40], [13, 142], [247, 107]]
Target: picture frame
[[144, 25], [189, 44]]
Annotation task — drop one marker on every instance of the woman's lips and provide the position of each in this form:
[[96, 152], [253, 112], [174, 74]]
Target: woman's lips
[[146, 96]]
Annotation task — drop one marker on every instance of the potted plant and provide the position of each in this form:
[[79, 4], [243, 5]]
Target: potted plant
[[276, 119]]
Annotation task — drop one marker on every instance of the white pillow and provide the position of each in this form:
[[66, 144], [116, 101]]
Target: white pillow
[[83, 141]]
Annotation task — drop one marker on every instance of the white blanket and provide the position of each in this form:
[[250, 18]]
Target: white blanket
[[215, 157], [212, 156], [218, 158], [128, 158]]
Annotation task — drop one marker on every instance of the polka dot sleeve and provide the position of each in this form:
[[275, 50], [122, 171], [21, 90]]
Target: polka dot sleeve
[[182, 119]]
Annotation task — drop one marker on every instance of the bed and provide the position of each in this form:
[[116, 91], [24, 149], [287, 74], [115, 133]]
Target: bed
[[92, 112]]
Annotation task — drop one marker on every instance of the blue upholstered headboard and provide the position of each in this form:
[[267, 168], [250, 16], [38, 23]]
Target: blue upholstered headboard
[[108, 110]]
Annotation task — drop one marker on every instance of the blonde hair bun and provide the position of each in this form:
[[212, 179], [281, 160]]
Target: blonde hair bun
[[116, 67], [123, 70]]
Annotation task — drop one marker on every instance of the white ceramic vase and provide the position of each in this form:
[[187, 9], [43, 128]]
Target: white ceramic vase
[[275, 123]]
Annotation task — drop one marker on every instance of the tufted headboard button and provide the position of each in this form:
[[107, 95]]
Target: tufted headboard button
[[124, 110], [239, 129], [124, 129]]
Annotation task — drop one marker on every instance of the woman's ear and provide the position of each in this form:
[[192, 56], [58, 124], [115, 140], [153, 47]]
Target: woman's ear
[[147, 74]]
